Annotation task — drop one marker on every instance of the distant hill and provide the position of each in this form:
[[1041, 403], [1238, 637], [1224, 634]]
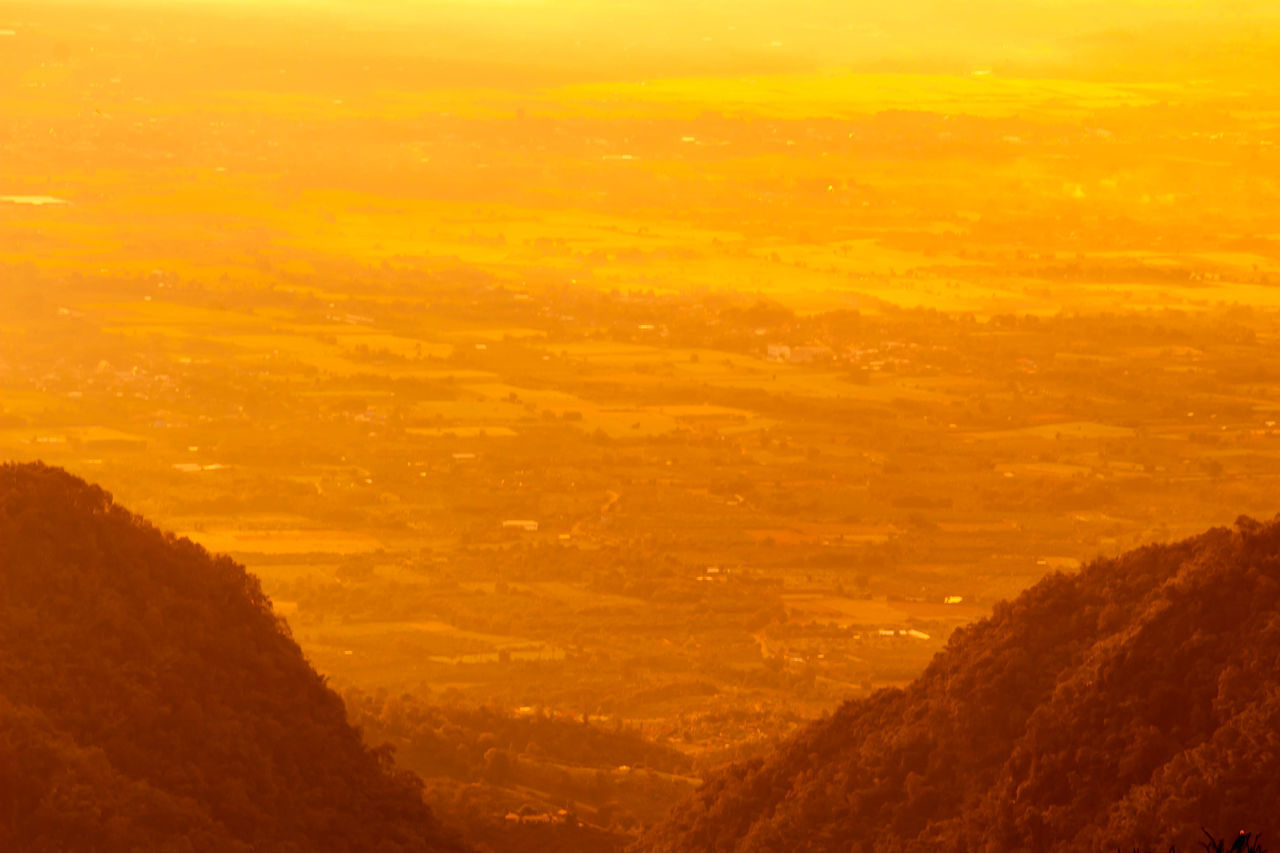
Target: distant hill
[[150, 700], [1125, 706]]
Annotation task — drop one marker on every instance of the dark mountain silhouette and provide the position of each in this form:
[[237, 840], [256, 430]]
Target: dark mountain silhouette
[[150, 700], [1124, 707]]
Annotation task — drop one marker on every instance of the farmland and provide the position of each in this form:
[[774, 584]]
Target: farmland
[[593, 516]]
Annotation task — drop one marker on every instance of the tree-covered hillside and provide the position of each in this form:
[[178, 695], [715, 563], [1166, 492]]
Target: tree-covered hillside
[[1128, 705], [150, 700]]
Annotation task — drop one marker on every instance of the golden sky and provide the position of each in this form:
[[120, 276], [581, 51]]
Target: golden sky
[[1129, 37]]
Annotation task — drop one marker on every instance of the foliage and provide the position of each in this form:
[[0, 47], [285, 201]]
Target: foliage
[[150, 700], [595, 782], [1134, 700]]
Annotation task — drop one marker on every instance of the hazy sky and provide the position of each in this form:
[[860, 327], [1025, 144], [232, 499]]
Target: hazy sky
[[1082, 35], [644, 39], [825, 30]]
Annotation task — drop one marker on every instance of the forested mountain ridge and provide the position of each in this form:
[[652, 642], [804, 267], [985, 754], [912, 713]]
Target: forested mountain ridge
[[150, 699], [1127, 705]]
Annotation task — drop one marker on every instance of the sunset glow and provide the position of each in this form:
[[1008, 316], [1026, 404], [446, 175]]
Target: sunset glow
[[616, 397]]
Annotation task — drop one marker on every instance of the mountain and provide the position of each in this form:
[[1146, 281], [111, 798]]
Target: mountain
[[150, 700], [1127, 705]]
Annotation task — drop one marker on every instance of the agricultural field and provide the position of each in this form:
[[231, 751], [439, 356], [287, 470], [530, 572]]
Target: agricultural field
[[720, 507]]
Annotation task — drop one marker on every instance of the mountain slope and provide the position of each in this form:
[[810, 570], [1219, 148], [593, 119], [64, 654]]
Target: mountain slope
[[150, 700], [1132, 703]]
